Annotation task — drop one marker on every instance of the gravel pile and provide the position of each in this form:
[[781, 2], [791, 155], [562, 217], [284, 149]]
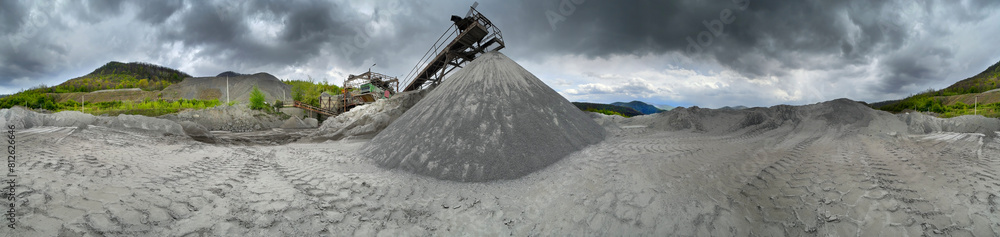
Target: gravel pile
[[236, 118], [838, 115], [491, 120], [25, 119], [369, 119], [207, 88], [294, 123], [918, 123]]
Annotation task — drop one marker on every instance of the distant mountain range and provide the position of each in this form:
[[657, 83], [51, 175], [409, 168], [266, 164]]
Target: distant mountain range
[[627, 109], [639, 106]]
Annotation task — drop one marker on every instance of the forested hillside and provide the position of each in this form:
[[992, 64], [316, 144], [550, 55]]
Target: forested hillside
[[117, 75]]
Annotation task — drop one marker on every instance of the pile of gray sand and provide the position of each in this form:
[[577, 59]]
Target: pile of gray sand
[[24, 119], [919, 123], [236, 118], [369, 119], [207, 88], [296, 123], [491, 120], [837, 115]]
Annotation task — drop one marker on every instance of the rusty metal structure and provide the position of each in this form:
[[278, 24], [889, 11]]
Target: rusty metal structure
[[364, 89], [326, 101], [465, 40], [323, 111], [357, 90]]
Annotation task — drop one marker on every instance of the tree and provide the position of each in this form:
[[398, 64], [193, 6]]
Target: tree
[[257, 99], [144, 84], [298, 93]]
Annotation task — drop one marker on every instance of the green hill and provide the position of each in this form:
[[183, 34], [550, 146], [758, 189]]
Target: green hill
[[113, 75], [958, 99], [117, 75], [984, 81], [607, 109]]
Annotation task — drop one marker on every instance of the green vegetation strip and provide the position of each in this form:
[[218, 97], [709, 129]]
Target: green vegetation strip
[[151, 108], [604, 111], [36, 99], [308, 91], [924, 102]]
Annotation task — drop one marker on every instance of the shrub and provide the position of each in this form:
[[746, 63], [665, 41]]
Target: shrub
[[257, 99]]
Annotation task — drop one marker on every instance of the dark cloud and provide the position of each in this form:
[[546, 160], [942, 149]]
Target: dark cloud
[[904, 70], [207, 24], [311, 24], [767, 38], [24, 56], [106, 7], [92, 11], [778, 30], [155, 12], [12, 15]]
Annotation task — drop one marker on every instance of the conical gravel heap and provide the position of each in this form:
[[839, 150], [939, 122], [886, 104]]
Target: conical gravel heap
[[491, 120]]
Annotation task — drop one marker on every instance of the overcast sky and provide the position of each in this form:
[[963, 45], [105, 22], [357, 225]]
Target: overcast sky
[[709, 53]]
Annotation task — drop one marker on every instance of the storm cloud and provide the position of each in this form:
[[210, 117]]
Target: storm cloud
[[752, 52]]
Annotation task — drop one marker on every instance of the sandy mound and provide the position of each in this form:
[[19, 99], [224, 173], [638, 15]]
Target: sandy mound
[[841, 115], [25, 119], [125, 121], [312, 122], [923, 124], [21, 118], [196, 131], [236, 118], [491, 120], [370, 119], [70, 119], [207, 88], [294, 123]]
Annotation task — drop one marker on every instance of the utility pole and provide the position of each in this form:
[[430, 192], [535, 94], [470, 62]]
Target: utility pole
[[227, 89], [975, 108], [83, 99]]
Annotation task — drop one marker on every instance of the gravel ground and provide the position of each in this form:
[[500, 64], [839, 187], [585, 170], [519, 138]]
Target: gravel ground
[[779, 171]]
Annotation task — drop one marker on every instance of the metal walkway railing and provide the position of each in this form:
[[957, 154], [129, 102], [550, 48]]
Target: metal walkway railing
[[299, 104]]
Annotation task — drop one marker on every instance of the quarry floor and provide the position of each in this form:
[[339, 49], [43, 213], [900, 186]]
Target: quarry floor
[[98, 181]]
